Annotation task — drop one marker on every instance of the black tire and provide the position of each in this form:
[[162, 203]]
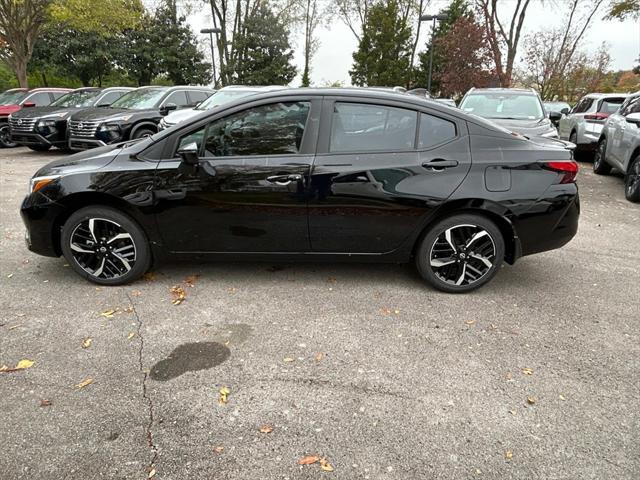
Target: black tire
[[463, 262], [142, 132], [632, 180], [600, 165], [119, 261], [39, 148], [5, 137]]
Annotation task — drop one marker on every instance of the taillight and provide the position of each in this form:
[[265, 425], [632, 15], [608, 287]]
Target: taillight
[[597, 116], [568, 169]]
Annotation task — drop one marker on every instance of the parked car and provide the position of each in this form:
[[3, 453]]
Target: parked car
[[41, 128], [340, 174], [516, 109], [220, 97], [557, 109], [583, 124], [619, 146], [17, 98], [446, 101], [134, 115]]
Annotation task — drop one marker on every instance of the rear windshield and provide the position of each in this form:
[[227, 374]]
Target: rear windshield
[[610, 105], [84, 98], [12, 97], [503, 106], [140, 99]]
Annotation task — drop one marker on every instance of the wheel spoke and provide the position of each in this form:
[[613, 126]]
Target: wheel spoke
[[464, 272], [119, 236], [441, 262], [77, 248], [447, 236], [124, 262], [92, 222], [484, 260], [98, 272], [480, 234]]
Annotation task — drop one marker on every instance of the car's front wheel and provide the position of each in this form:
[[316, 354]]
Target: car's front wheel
[[141, 133], [460, 253], [632, 180], [105, 246], [5, 137], [600, 165]]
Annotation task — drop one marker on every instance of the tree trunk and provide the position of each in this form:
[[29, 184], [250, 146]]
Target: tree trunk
[[20, 69]]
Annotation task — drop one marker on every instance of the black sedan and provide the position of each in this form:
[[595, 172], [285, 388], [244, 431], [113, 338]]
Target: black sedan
[[331, 174]]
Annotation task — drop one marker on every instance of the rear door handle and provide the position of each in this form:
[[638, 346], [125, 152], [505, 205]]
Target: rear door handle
[[285, 179], [439, 163]]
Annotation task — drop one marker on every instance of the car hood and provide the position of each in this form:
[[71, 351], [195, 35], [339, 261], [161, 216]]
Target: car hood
[[91, 160], [178, 116], [41, 112], [525, 126], [105, 114]]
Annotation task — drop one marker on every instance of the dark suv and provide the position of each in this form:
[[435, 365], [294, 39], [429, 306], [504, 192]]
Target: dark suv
[[134, 115], [13, 100], [41, 128]]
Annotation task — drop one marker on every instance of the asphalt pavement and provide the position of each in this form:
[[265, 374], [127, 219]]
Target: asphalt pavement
[[535, 376]]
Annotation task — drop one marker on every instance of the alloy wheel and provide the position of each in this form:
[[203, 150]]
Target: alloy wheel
[[5, 137], [462, 254], [103, 248], [632, 178]]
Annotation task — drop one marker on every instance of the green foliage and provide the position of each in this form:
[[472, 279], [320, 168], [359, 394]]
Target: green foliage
[[384, 52], [263, 49], [7, 78], [623, 9], [98, 16]]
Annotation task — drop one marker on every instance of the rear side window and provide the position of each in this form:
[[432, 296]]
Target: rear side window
[[434, 130], [583, 105], [362, 127], [610, 105], [197, 96]]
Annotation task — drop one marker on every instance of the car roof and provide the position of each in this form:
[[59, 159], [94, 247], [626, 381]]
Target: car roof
[[606, 95], [253, 87], [529, 91], [50, 89]]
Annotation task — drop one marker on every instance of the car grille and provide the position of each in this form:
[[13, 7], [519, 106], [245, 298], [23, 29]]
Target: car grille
[[83, 129], [22, 124]]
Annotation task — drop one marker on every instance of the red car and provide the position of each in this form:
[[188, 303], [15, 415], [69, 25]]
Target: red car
[[17, 98]]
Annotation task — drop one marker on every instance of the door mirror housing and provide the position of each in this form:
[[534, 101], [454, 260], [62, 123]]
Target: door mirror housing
[[28, 105], [633, 118], [102, 105], [565, 111], [189, 153], [555, 116], [167, 108]]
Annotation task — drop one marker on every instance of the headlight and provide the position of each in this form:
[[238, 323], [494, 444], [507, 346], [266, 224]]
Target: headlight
[[122, 118], [109, 128], [47, 123], [37, 183]]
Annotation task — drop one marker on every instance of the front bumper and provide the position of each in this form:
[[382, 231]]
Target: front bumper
[[39, 217], [85, 143], [36, 139]]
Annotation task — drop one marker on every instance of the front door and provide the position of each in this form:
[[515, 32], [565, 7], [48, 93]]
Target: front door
[[247, 194]]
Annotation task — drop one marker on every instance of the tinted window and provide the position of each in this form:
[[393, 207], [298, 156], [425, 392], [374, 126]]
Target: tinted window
[[40, 99], [359, 127], [633, 106], [178, 98], [610, 105], [192, 137], [197, 97], [274, 129], [434, 130], [502, 105], [110, 97], [583, 105]]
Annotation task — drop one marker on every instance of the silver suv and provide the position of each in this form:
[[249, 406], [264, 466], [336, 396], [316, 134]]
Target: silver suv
[[619, 146], [583, 124]]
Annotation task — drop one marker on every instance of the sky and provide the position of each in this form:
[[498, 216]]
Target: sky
[[333, 58]]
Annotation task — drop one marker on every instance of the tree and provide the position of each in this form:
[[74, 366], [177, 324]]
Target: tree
[[384, 53], [311, 18], [264, 49], [468, 60], [623, 9], [499, 37]]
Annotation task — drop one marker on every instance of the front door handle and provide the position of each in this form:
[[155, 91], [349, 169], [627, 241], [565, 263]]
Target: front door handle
[[439, 163], [285, 179]]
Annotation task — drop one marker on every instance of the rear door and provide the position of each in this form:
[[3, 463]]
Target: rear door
[[376, 175]]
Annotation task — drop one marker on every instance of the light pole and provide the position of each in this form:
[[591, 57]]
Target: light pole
[[435, 18], [211, 31]]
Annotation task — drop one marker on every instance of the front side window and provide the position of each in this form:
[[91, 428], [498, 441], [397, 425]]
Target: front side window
[[434, 131], [275, 129], [41, 99], [359, 127], [503, 106], [140, 99]]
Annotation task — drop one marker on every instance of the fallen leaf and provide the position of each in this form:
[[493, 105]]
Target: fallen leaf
[[218, 449], [512, 412], [288, 359], [108, 313], [531, 400], [266, 429], [231, 289], [131, 335], [13, 327], [527, 371], [309, 460], [84, 383], [191, 280], [4, 368], [224, 395], [470, 322], [508, 376], [45, 403], [86, 343], [152, 473], [562, 397], [178, 294], [149, 276], [325, 465], [10, 275], [319, 356], [508, 454], [128, 309], [136, 293], [23, 364]]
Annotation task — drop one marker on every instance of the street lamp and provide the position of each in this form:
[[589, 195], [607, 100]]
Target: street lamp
[[211, 31], [435, 18]]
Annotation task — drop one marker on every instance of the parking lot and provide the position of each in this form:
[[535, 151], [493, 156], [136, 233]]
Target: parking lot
[[533, 376]]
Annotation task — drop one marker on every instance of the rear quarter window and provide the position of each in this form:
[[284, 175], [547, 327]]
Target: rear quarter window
[[434, 131]]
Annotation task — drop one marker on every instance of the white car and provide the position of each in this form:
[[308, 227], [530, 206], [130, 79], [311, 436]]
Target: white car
[[619, 146], [222, 96], [583, 124]]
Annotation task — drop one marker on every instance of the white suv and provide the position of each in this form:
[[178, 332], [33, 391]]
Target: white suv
[[583, 124]]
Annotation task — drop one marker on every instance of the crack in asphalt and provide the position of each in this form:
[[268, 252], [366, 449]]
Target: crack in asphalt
[[145, 395]]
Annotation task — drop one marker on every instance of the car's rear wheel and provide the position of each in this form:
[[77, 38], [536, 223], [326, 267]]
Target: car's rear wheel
[[5, 137], [105, 246], [460, 253], [632, 180], [600, 165], [39, 148], [142, 132]]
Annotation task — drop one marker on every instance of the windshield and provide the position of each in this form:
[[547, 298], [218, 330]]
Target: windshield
[[503, 106], [12, 97], [222, 97], [84, 98], [140, 99]]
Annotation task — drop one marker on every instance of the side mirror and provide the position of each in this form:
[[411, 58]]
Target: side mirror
[[565, 111], [189, 153], [167, 108], [28, 104], [555, 116], [633, 118], [101, 105]]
